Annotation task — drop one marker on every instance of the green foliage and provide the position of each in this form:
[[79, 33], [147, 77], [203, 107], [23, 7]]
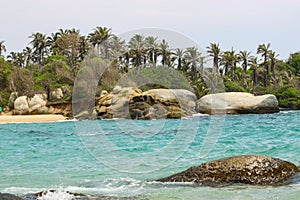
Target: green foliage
[[21, 80], [54, 74], [109, 79], [231, 86], [294, 62], [151, 86], [288, 97], [150, 78], [4, 96], [54, 58]]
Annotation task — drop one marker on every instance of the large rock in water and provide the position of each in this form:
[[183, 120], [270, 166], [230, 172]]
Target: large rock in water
[[186, 99], [6, 196], [237, 103], [246, 169]]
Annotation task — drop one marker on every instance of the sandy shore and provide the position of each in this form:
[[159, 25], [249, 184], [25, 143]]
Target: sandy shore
[[30, 118]]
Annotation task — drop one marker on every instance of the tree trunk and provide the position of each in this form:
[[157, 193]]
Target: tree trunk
[[179, 64]]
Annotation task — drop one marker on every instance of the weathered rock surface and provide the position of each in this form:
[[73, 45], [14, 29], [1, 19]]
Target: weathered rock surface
[[245, 169], [37, 104], [21, 105], [53, 194], [132, 103], [237, 103], [57, 94], [185, 98], [12, 98], [6, 196], [60, 107]]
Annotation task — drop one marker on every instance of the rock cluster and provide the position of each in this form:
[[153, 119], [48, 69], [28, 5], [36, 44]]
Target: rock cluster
[[246, 169], [39, 104], [132, 103]]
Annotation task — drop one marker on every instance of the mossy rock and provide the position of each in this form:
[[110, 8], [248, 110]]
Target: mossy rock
[[245, 169]]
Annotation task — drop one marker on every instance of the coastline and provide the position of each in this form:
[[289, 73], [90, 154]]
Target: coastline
[[6, 119]]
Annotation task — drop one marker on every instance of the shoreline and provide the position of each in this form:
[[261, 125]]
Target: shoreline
[[8, 119]]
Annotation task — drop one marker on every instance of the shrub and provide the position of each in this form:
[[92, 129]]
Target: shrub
[[233, 87], [288, 97]]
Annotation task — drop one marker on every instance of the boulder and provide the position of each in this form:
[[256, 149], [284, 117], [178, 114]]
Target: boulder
[[103, 93], [37, 104], [66, 90], [57, 94], [237, 103], [13, 96], [186, 99], [245, 169], [6, 196], [117, 90], [82, 115], [21, 104], [115, 104]]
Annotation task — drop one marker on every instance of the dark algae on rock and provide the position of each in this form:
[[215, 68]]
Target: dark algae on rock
[[245, 169]]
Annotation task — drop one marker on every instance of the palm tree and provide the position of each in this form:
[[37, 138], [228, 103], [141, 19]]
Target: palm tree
[[28, 55], [234, 58], [17, 58], [179, 53], [164, 52], [116, 49], [99, 36], [193, 57], [2, 47], [84, 47], [226, 61], [245, 56], [40, 44], [152, 47], [137, 49], [273, 59], [72, 45], [214, 51], [254, 64], [264, 50]]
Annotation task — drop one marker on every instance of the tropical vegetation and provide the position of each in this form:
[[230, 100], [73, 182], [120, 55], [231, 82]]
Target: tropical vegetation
[[51, 61]]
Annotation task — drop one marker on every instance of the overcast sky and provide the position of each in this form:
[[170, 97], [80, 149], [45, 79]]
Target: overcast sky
[[242, 24]]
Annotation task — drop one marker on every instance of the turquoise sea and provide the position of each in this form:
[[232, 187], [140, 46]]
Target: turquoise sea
[[121, 158]]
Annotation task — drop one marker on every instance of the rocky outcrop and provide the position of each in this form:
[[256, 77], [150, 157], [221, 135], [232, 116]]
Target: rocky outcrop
[[185, 98], [6, 196], [237, 103], [30, 105], [246, 169], [38, 103], [132, 103], [55, 194], [60, 107]]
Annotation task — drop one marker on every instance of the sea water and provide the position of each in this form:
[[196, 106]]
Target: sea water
[[122, 158]]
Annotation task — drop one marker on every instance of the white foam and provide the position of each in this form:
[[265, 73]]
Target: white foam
[[56, 195]]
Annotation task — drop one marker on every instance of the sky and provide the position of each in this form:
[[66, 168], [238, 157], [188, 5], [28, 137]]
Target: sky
[[242, 24]]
